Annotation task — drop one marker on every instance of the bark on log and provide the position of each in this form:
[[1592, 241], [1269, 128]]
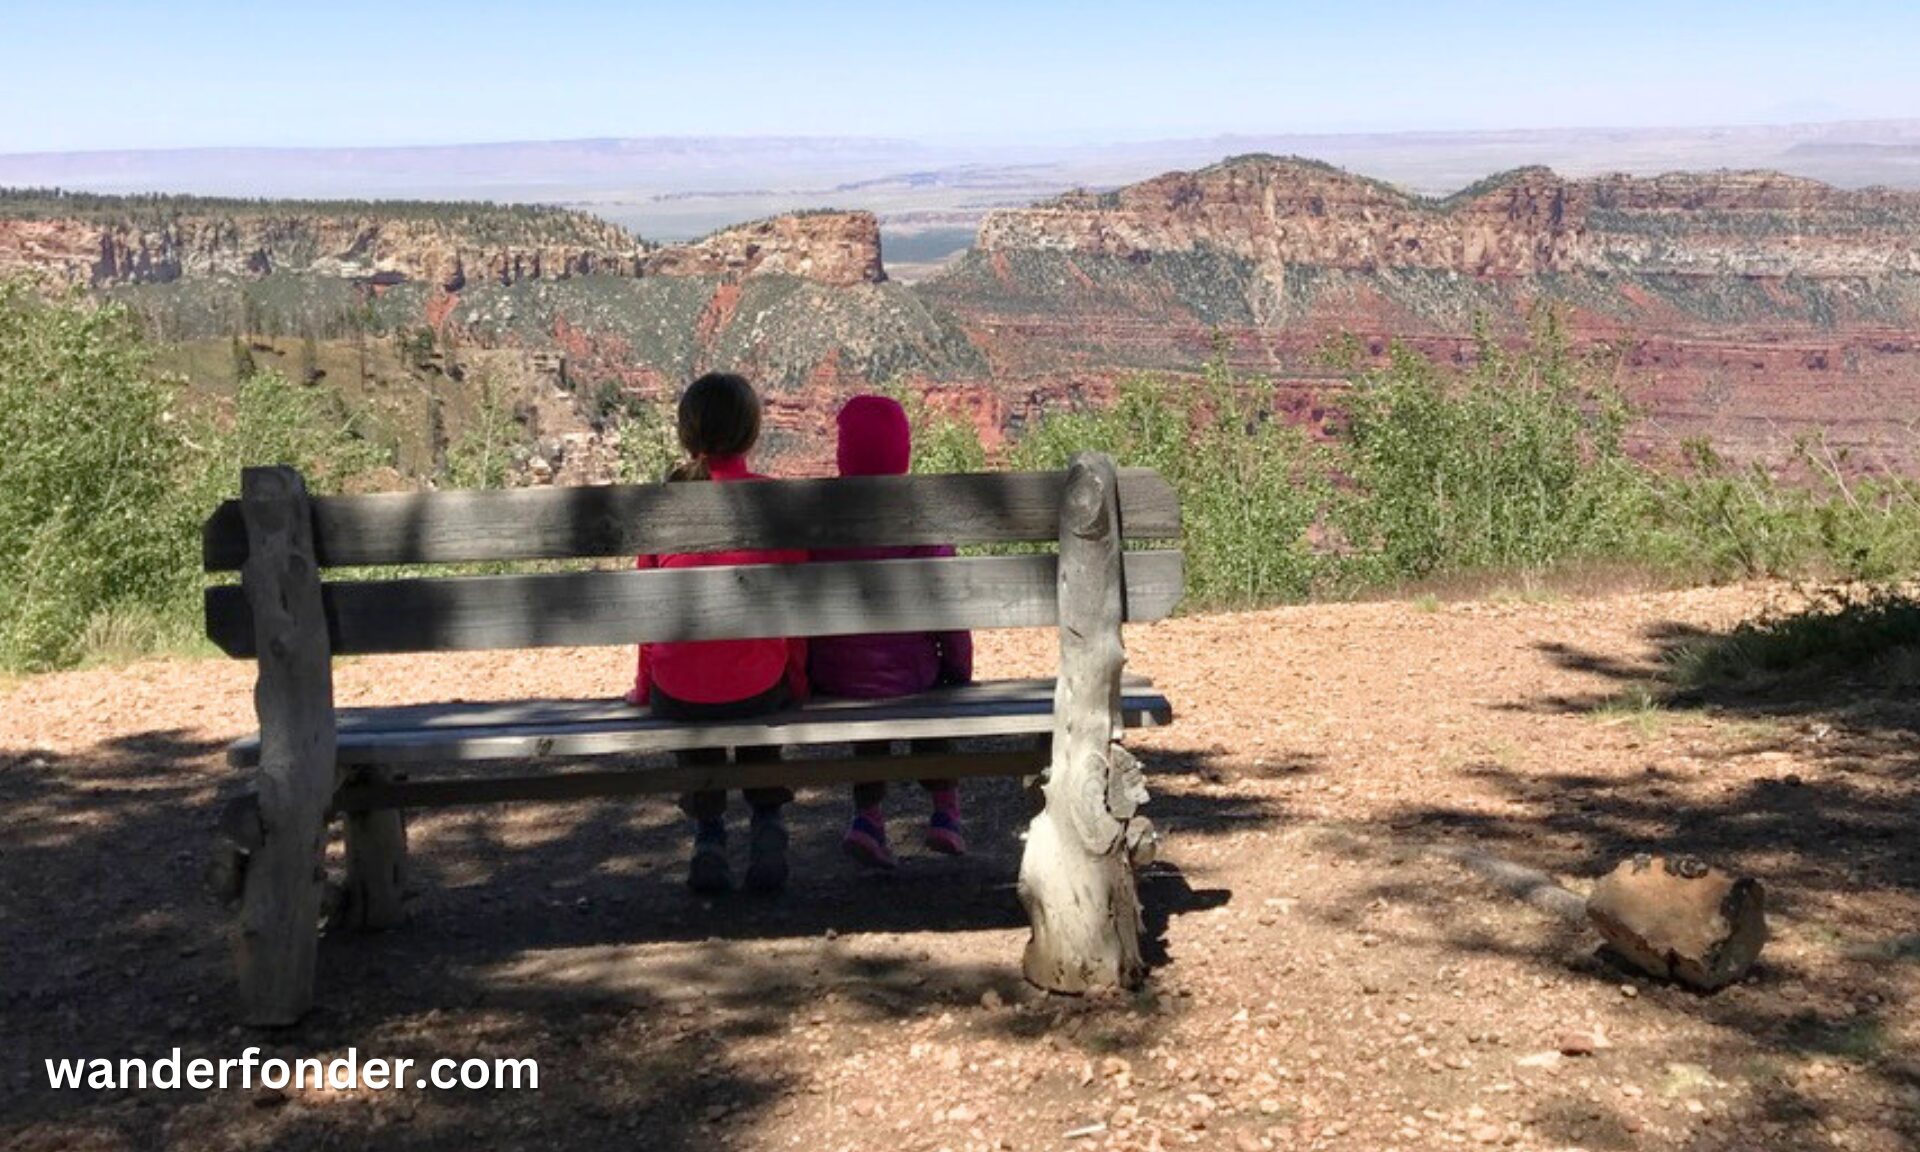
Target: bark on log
[[274, 949], [376, 863], [1076, 875]]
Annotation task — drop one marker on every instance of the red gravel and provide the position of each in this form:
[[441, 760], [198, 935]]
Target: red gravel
[[1327, 982]]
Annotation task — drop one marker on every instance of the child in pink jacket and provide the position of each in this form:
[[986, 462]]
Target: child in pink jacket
[[875, 440]]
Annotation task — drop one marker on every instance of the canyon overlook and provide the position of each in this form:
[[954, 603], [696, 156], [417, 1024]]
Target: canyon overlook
[[1747, 307]]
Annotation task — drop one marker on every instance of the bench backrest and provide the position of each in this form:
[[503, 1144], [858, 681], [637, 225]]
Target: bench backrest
[[622, 607]]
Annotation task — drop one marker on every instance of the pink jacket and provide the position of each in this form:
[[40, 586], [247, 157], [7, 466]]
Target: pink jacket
[[876, 441], [888, 664], [721, 671]]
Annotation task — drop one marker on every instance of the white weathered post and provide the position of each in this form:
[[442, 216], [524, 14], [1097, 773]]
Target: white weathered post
[[1077, 874], [275, 946]]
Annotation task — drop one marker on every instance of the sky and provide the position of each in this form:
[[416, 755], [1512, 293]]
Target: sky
[[93, 74]]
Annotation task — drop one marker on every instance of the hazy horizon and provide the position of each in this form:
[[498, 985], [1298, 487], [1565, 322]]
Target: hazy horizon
[[959, 141], [217, 74]]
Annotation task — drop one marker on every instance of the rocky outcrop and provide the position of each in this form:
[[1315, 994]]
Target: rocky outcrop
[[835, 248], [447, 254], [1747, 307], [1528, 222], [447, 251]]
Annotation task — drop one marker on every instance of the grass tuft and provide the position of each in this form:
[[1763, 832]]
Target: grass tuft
[[1872, 634]]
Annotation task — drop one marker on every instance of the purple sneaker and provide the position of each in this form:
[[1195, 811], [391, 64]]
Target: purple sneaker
[[945, 833], [866, 842]]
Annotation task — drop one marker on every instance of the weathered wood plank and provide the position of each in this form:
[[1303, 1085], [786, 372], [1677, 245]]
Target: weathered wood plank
[[1076, 872], [640, 733], [627, 520], [676, 778], [274, 948], [566, 609], [965, 698]]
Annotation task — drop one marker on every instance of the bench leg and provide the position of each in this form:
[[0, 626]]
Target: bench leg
[[279, 931], [278, 938], [1077, 873], [376, 864]]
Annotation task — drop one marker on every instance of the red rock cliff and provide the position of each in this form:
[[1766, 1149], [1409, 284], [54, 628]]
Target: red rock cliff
[[834, 248], [1528, 222], [103, 253], [838, 248]]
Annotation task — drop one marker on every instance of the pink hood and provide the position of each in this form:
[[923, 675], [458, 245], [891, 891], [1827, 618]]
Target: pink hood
[[875, 440]]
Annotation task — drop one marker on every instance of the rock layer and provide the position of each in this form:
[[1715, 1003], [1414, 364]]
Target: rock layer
[[1529, 222], [449, 251], [1747, 307], [837, 248]]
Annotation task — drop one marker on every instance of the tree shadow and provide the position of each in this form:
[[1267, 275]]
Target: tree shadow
[[1809, 783], [561, 933]]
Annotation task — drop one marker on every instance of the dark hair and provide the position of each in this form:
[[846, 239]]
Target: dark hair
[[719, 416]]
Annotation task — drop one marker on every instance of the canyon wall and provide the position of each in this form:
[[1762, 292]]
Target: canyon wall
[[1749, 307], [1529, 222], [446, 249], [103, 253], [839, 248]]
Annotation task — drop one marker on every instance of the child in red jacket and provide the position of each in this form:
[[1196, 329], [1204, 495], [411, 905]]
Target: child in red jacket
[[719, 423], [875, 440]]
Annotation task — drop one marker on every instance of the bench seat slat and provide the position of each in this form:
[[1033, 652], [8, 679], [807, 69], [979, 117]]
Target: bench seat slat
[[628, 519], [577, 609], [474, 732], [580, 784], [511, 713]]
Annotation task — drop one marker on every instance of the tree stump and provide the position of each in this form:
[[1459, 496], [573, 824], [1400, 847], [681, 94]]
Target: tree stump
[[274, 948], [376, 864], [1077, 873]]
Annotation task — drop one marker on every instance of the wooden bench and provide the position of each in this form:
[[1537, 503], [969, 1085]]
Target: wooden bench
[[310, 762]]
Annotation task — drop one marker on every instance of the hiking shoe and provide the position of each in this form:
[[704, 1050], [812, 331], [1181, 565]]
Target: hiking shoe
[[946, 834], [708, 871], [767, 854], [866, 842]]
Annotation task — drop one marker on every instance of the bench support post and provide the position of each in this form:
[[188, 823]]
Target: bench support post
[[275, 946], [1077, 873], [376, 861]]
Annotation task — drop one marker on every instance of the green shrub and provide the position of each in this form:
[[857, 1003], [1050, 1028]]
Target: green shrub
[[1514, 463], [90, 514], [649, 445], [482, 456], [1741, 521], [942, 441], [104, 482], [1251, 487], [277, 421]]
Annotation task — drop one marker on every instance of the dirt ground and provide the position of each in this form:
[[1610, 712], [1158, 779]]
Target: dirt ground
[[1327, 976]]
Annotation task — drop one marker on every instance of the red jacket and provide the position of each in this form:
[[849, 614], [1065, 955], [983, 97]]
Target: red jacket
[[721, 671]]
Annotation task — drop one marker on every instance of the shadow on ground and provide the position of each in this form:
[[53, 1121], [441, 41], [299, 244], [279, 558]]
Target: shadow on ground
[[1811, 784], [560, 933]]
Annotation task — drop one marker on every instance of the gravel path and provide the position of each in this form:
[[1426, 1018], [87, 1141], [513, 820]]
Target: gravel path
[[1326, 977]]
